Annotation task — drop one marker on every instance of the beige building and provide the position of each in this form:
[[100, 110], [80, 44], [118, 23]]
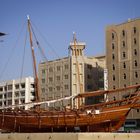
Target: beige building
[[71, 75], [123, 57]]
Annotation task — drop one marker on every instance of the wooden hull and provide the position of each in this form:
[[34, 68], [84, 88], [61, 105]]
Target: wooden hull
[[107, 120]]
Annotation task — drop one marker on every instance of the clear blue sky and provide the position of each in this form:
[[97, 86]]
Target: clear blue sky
[[56, 20]]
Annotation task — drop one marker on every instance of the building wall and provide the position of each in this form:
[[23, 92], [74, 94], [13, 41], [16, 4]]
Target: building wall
[[17, 92], [123, 58], [54, 79], [70, 83]]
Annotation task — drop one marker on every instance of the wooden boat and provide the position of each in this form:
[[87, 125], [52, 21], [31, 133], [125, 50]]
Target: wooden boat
[[107, 116]]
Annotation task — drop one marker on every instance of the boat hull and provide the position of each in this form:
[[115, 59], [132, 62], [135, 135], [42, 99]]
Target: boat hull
[[105, 120]]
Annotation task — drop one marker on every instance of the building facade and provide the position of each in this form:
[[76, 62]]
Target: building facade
[[71, 75], [123, 58], [14, 92]]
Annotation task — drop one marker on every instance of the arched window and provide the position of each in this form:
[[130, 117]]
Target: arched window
[[113, 46], [124, 55], [135, 63], [113, 67], [136, 74], [135, 41], [134, 30], [135, 52], [123, 33], [114, 87], [124, 76], [123, 43], [124, 65], [112, 35], [113, 56], [113, 77]]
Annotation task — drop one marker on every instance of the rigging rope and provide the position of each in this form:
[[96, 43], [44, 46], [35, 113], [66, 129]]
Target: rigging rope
[[12, 52], [45, 40]]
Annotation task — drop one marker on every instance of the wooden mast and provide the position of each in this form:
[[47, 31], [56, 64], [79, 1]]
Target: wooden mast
[[37, 98]]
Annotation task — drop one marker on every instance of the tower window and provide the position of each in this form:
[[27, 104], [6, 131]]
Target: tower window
[[134, 29], [112, 35], [136, 74], [114, 87], [124, 85], [113, 77], [135, 63], [123, 43], [113, 67], [113, 56], [113, 46], [124, 76], [123, 33], [124, 55], [124, 65], [135, 41], [135, 52]]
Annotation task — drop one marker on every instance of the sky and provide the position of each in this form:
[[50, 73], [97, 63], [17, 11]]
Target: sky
[[54, 22]]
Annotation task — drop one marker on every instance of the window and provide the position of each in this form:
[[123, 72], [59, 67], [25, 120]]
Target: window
[[0, 96], [89, 76], [43, 71], [135, 30], [135, 52], [136, 74], [123, 43], [124, 65], [89, 87], [43, 89], [5, 88], [9, 87], [66, 66], [135, 41], [113, 56], [114, 87], [113, 46], [22, 93], [17, 86], [16, 94], [58, 88], [113, 67], [113, 77], [50, 69], [22, 85], [89, 66], [1, 89], [124, 55], [135, 63], [57, 78], [123, 33], [66, 86], [50, 79], [50, 88], [66, 76], [112, 35], [58, 68], [9, 94], [43, 80], [9, 102], [124, 76]]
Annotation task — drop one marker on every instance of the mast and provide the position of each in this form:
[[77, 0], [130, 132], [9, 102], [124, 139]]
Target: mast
[[37, 98]]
